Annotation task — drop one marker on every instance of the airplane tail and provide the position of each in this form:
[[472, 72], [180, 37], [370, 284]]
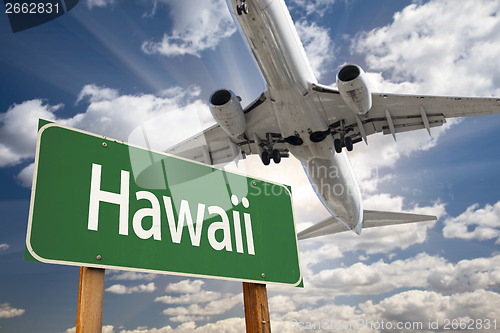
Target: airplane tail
[[371, 219]]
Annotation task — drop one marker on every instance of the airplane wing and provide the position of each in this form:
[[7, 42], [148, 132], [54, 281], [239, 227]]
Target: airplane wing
[[212, 146], [390, 114], [394, 113], [371, 219], [215, 146]]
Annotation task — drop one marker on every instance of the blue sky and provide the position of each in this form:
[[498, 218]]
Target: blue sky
[[109, 66]]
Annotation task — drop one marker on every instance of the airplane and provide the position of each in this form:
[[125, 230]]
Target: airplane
[[314, 122]]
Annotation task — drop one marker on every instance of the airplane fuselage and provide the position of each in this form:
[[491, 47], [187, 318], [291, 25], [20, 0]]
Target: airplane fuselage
[[280, 55]]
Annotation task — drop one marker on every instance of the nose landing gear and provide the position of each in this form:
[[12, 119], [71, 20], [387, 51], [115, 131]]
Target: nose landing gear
[[242, 9], [274, 154]]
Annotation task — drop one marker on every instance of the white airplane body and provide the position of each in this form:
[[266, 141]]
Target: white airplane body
[[314, 122]]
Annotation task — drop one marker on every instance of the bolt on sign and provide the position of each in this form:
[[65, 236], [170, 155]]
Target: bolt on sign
[[99, 202]]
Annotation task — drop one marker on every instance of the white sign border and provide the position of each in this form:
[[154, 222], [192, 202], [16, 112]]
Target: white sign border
[[71, 263]]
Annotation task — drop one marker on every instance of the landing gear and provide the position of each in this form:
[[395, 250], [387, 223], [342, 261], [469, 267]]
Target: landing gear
[[266, 148], [348, 143], [266, 156], [338, 144], [276, 156], [343, 141], [242, 9]]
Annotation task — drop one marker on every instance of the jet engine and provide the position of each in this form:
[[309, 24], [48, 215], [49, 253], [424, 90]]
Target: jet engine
[[351, 82], [226, 109]]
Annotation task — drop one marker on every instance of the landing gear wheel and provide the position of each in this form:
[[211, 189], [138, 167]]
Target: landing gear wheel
[[242, 9], [276, 156], [348, 144], [338, 145], [265, 157]]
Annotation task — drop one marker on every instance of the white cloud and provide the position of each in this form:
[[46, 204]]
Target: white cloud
[[99, 3], [193, 31], [201, 296], [25, 177], [281, 303], [122, 117], [187, 318], [376, 278], [192, 293], [456, 290], [229, 325], [423, 272], [475, 224], [18, 129], [409, 307], [105, 329], [310, 7], [317, 44], [377, 83], [216, 307], [466, 275], [131, 276], [437, 46], [413, 307], [7, 311], [185, 286], [121, 289], [117, 115], [371, 162], [422, 306], [316, 319], [4, 246], [96, 94]]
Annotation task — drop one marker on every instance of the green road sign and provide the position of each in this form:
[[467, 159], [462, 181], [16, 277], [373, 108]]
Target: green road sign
[[99, 202]]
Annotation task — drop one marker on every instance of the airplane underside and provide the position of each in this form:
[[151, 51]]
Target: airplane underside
[[329, 172], [315, 123]]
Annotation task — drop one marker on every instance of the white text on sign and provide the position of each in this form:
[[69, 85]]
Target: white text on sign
[[185, 218]]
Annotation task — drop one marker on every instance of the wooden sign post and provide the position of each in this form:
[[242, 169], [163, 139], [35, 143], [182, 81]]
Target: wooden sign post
[[90, 297], [256, 308]]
